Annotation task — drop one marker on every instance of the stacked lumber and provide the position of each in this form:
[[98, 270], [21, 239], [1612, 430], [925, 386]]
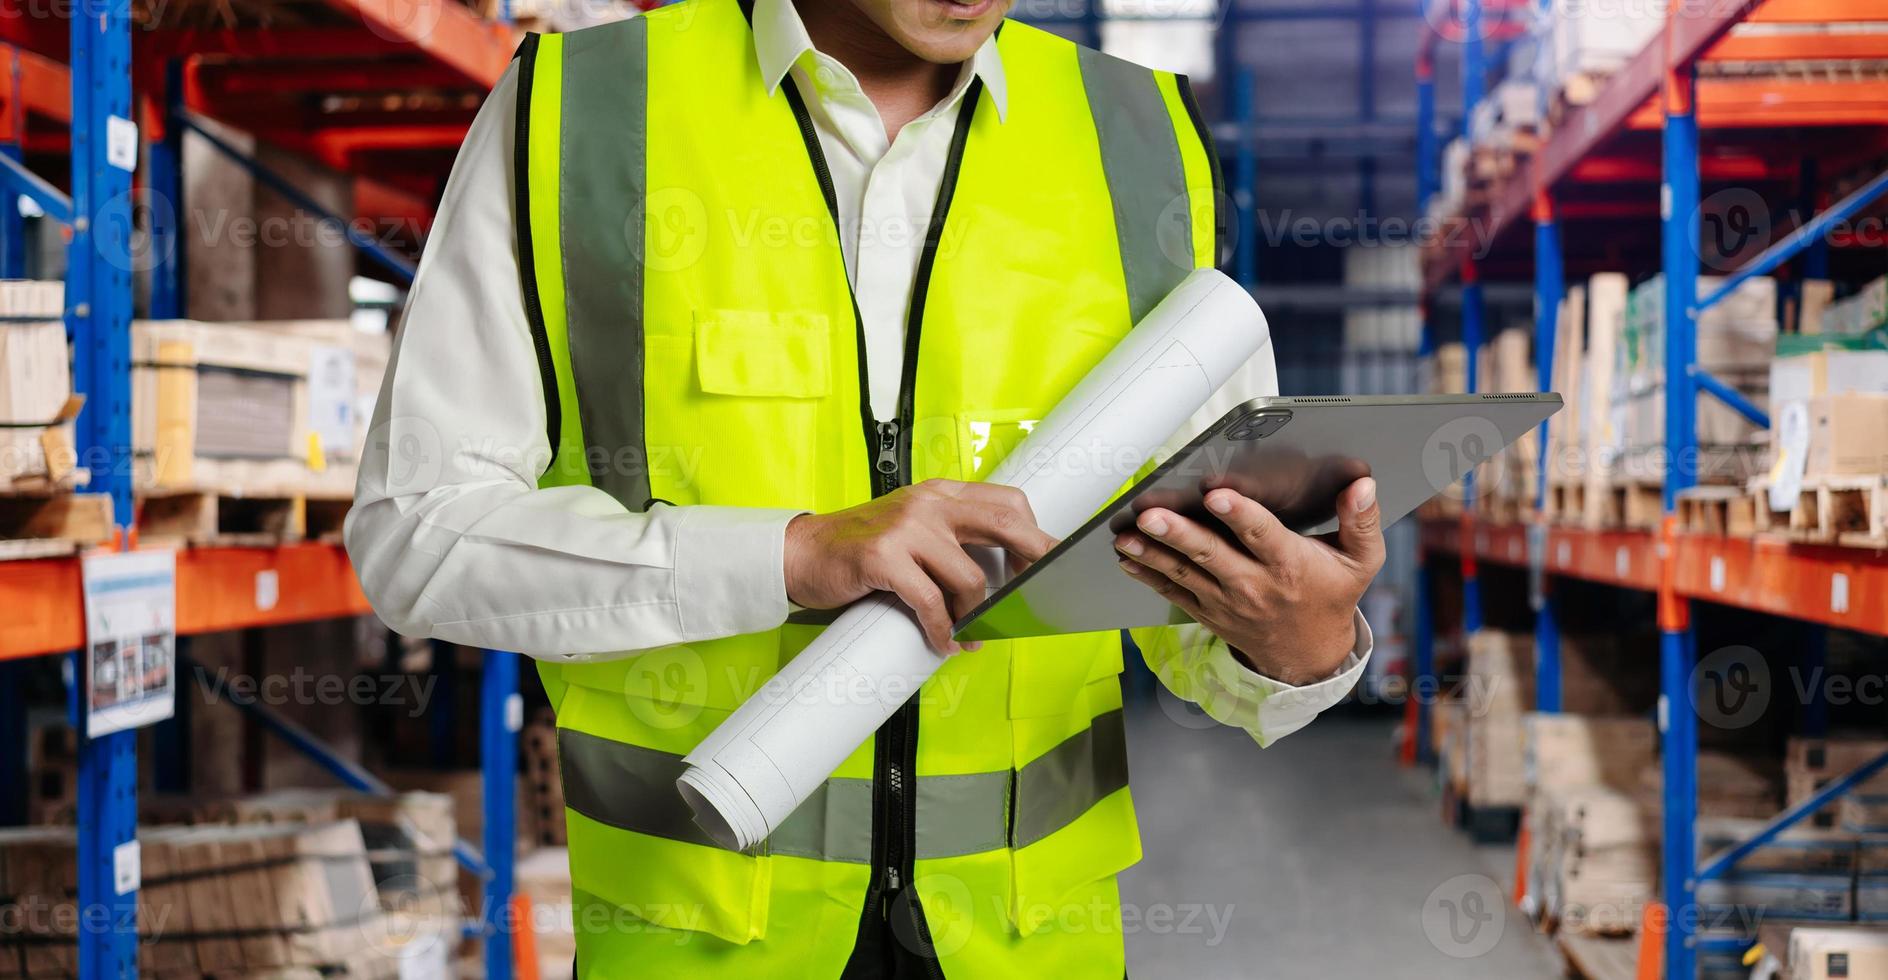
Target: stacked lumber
[[1499, 693], [408, 836], [249, 430], [1507, 484], [40, 515], [252, 900], [1593, 832]]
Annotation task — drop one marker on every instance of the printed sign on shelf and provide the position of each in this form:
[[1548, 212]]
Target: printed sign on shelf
[[130, 639]]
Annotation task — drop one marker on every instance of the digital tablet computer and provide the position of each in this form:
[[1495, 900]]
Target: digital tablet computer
[[1294, 455]]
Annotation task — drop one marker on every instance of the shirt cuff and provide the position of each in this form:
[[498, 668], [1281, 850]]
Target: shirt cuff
[[1277, 709], [730, 570]]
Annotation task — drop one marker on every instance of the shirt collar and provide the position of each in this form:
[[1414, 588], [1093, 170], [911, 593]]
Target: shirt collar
[[780, 39]]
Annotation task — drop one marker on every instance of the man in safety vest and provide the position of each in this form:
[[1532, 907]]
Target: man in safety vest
[[726, 311]]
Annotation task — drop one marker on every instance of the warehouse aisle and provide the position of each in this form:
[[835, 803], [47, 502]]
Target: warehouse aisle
[[1316, 858]]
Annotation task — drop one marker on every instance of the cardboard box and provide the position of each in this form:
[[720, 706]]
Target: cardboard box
[[1567, 751], [1812, 763], [1848, 435], [35, 381], [1837, 954]]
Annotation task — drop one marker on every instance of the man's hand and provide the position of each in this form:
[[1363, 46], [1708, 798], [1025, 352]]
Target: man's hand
[[910, 542], [1285, 603]]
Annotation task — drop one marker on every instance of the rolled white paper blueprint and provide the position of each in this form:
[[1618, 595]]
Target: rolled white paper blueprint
[[749, 774]]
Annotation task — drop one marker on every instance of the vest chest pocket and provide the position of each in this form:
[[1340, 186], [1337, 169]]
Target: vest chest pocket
[[764, 355], [745, 403]]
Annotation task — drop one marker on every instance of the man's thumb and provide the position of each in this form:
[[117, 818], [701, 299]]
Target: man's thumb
[[1360, 523]]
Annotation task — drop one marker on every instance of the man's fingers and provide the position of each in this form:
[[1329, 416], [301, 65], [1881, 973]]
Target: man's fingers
[[1000, 525], [1168, 564], [1263, 536], [960, 576], [1167, 588], [1360, 525], [913, 587], [1200, 546]]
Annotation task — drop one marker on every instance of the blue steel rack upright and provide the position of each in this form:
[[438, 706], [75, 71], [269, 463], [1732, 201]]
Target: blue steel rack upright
[[1666, 70], [102, 254]]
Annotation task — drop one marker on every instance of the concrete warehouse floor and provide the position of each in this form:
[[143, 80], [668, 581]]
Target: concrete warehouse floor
[[1318, 857]]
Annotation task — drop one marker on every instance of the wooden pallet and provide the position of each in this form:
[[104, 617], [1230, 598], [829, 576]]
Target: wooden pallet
[[1851, 511], [52, 525], [209, 517], [1713, 510], [1566, 503], [1631, 504]]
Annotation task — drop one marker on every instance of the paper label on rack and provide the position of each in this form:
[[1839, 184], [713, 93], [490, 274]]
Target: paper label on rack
[[130, 639], [1792, 442], [126, 861], [121, 142], [268, 589], [331, 403]]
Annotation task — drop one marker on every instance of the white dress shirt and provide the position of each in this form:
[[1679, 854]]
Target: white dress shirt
[[452, 537]]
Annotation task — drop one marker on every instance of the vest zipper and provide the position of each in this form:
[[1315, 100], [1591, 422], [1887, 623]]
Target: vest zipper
[[895, 745]]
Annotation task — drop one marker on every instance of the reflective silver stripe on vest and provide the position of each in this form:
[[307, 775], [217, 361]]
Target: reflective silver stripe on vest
[[605, 132], [1140, 153], [633, 788]]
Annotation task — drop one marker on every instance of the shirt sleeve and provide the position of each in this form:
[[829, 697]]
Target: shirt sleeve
[[1200, 667], [451, 536]]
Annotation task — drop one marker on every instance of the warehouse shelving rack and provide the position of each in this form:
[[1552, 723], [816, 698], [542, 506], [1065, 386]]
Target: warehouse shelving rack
[[1824, 586], [77, 76]]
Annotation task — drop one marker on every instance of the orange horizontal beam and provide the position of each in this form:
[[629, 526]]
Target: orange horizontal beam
[[1834, 586], [1817, 11], [44, 89], [1840, 587], [448, 32], [1800, 47], [1725, 103], [218, 589], [44, 607]]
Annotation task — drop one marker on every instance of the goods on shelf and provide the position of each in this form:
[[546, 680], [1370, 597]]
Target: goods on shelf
[[1500, 690], [1863, 813], [1832, 954], [1572, 751], [1505, 484], [1858, 314], [1596, 441], [1731, 784], [1736, 341], [1579, 43], [1507, 118], [251, 428], [1848, 435], [245, 900], [1804, 873], [409, 836], [1809, 764], [1593, 833], [35, 387], [1595, 857]]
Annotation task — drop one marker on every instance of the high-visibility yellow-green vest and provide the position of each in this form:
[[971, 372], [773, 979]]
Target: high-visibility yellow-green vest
[[699, 344]]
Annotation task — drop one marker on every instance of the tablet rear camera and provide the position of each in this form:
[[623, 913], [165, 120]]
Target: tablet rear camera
[[1259, 424]]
